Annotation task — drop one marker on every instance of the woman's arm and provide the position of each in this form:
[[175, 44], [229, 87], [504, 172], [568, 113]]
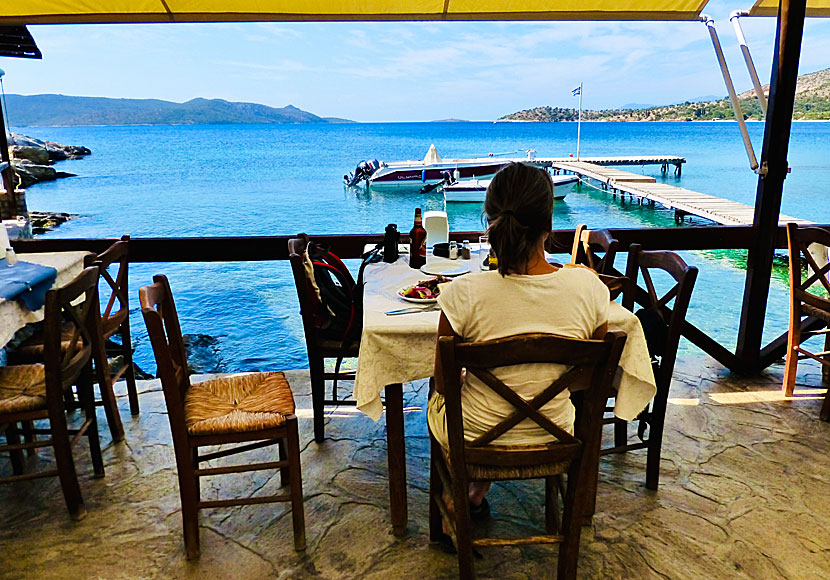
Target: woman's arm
[[444, 329]]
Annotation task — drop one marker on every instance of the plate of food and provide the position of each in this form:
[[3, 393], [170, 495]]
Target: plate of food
[[424, 291]]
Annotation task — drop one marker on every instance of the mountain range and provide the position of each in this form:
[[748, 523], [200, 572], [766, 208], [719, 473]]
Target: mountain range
[[812, 102], [62, 110]]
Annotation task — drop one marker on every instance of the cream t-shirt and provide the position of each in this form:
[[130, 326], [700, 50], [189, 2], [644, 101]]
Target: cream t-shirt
[[571, 302]]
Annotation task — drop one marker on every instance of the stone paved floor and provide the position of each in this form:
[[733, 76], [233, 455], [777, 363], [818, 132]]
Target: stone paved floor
[[743, 494]]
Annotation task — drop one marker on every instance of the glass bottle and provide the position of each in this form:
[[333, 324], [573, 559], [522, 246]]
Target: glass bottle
[[417, 242]]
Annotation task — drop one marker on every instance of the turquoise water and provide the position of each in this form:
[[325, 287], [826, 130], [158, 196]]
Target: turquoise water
[[283, 179]]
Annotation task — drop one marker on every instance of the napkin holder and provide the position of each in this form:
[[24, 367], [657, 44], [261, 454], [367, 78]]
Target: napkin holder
[[437, 227]]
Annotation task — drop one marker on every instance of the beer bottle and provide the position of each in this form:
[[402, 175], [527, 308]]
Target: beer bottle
[[417, 242]]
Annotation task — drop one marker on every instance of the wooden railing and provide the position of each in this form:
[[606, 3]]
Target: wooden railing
[[263, 248]]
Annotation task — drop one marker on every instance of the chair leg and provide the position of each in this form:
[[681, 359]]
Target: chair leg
[[620, 433], [16, 455], [87, 399], [66, 465], [791, 365], [824, 414], [436, 489], [552, 522], [295, 473], [189, 493], [129, 372], [655, 440], [29, 436], [318, 396], [285, 472], [107, 394], [463, 530]]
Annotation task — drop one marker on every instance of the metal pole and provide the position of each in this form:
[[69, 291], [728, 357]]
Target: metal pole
[[579, 122], [783, 79], [733, 98], [734, 18]]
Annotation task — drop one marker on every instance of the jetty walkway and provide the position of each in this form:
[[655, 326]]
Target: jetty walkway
[[683, 201]]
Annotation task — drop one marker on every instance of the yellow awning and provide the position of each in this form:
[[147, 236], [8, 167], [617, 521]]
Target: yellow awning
[[770, 8], [109, 11]]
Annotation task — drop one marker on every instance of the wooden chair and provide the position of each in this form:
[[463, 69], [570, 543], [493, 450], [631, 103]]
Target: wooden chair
[[809, 312], [254, 410], [319, 347], [118, 322], [587, 245], [33, 392], [594, 364], [662, 324]]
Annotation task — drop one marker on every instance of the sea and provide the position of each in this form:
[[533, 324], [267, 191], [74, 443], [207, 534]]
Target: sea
[[236, 180]]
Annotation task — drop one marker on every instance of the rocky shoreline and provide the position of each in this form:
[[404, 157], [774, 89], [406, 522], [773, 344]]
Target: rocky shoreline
[[32, 158]]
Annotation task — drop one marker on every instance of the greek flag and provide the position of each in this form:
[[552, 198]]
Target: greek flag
[[577, 91]]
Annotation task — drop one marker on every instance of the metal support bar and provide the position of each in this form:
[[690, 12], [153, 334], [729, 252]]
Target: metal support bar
[[783, 79], [734, 18], [733, 98]]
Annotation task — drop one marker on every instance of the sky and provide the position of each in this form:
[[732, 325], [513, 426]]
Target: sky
[[405, 71]]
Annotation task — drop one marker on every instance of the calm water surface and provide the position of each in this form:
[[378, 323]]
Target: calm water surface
[[233, 180]]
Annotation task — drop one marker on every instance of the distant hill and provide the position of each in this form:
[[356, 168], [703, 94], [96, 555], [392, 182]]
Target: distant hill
[[51, 110], [812, 102]]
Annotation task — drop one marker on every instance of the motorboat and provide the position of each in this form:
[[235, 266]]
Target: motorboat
[[474, 190], [429, 171]]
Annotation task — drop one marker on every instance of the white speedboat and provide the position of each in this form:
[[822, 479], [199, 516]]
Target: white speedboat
[[430, 171], [474, 190]]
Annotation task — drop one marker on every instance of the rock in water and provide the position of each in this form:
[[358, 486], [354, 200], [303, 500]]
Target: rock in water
[[203, 355], [32, 158]]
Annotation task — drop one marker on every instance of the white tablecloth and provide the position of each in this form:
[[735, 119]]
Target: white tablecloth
[[13, 314], [399, 349]]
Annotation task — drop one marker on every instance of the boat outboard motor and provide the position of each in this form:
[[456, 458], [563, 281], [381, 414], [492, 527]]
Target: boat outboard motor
[[363, 171]]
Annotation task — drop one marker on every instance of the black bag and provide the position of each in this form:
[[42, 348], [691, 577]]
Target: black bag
[[656, 331], [341, 316]]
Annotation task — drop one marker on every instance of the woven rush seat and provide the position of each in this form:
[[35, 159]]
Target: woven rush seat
[[22, 388], [237, 403], [31, 349], [481, 472]]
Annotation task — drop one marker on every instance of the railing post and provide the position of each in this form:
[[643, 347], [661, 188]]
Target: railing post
[[772, 172]]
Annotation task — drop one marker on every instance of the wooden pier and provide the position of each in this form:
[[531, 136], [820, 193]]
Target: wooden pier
[[683, 201], [663, 160]]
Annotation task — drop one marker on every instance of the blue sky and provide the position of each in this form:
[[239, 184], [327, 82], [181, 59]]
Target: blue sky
[[403, 71]]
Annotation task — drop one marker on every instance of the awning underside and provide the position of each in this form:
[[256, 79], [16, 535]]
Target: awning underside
[[820, 8], [112, 11]]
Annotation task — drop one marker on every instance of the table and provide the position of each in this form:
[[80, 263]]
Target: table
[[399, 349], [13, 314]]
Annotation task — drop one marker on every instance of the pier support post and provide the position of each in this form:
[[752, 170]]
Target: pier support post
[[773, 170]]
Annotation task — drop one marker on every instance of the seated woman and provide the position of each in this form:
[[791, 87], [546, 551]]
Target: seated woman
[[526, 294]]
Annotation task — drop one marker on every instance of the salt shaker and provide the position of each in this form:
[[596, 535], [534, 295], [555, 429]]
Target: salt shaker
[[11, 257], [453, 250]]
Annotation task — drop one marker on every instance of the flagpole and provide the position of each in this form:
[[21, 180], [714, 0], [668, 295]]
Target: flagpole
[[579, 122]]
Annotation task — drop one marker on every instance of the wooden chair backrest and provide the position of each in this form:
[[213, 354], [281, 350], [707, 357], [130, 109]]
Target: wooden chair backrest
[[642, 263], [587, 244], [799, 240], [119, 289], [309, 306], [162, 320], [64, 360], [593, 366]]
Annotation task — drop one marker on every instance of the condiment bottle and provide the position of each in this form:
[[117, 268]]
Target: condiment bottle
[[11, 257], [493, 260], [465, 250], [417, 242], [453, 250]]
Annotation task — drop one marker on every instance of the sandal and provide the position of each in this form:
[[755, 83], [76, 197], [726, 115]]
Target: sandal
[[481, 511]]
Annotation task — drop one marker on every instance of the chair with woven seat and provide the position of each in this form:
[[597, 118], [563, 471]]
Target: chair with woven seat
[[117, 322], [319, 345], [662, 318], [240, 413], [35, 392], [596, 249], [593, 366], [809, 311]]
